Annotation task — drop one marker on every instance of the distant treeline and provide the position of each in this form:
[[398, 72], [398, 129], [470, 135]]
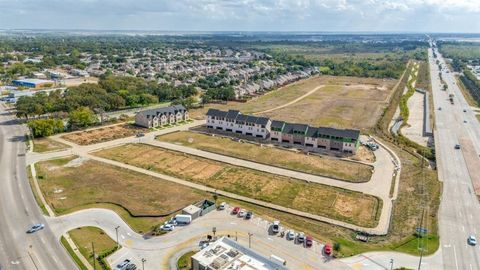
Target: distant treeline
[[112, 93], [472, 84]]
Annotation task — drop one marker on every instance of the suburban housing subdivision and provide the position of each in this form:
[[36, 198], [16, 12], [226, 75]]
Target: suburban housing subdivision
[[161, 116], [290, 134]]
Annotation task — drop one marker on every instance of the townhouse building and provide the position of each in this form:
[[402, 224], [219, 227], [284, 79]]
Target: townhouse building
[[158, 117], [316, 139], [236, 122]]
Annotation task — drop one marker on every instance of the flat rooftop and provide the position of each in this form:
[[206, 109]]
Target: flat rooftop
[[35, 81], [228, 254]]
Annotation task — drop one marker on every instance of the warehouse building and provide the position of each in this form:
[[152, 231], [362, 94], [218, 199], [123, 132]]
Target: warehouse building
[[302, 136], [33, 83], [228, 254]]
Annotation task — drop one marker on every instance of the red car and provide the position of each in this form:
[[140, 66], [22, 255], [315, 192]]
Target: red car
[[308, 241], [327, 249], [235, 210]]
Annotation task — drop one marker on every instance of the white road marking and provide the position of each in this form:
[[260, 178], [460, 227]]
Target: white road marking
[[455, 257], [15, 262], [471, 268], [123, 237]]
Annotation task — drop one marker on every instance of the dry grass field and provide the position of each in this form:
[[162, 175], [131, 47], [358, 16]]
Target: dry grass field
[[83, 238], [324, 166], [344, 102], [103, 134], [71, 185], [353, 207], [41, 145]]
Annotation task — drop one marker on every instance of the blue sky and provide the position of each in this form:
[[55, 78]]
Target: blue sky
[[244, 15]]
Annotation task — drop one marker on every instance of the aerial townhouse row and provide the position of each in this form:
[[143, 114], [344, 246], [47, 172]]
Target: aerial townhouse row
[[283, 133], [161, 116]]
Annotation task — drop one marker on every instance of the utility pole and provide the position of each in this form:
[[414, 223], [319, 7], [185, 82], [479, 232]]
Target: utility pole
[[143, 263], [236, 236], [116, 232], [391, 264], [250, 240], [94, 259]]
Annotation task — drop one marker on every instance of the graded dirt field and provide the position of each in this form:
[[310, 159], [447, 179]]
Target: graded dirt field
[[85, 236], [103, 134], [41, 145], [324, 166], [343, 102], [71, 184], [336, 203]]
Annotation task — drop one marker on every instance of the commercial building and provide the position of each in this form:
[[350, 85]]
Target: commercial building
[[161, 116], [302, 136], [228, 254], [33, 83]]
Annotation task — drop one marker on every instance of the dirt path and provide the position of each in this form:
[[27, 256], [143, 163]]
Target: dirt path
[[293, 101]]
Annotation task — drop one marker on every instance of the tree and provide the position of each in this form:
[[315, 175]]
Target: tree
[[45, 127], [81, 118]]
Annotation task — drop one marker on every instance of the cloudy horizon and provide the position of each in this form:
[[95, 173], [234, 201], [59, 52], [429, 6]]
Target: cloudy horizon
[[245, 15]]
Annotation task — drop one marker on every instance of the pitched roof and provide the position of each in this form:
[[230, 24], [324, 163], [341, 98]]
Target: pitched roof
[[232, 114], [241, 117], [343, 133], [251, 119], [312, 132], [164, 110], [300, 127], [216, 113], [277, 124], [262, 121]]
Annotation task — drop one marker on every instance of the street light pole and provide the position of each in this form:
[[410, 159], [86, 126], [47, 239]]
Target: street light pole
[[116, 231], [391, 264], [143, 263]]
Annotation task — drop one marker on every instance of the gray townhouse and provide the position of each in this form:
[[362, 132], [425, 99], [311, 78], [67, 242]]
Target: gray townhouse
[[301, 136], [158, 117]]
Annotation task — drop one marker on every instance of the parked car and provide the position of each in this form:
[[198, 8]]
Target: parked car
[[327, 249], [276, 226], [457, 146], [464, 110], [167, 227], [131, 266], [290, 235], [172, 221], [36, 228], [235, 210], [439, 108], [472, 240], [140, 135], [242, 213], [249, 215], [123, 265], [301, 237], [222, 206], [308, 241]]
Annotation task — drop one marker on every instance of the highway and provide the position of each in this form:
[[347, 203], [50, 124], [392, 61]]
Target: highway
[[18, 209], [459, 208]]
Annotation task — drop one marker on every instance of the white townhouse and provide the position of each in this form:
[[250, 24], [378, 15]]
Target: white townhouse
[[161, 116], [236, 122]]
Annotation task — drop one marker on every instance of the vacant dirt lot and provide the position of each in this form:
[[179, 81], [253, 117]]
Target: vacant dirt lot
[[356, 208], [71, 183], [103, 134], [325, 166], [41, 145], [346, 102]]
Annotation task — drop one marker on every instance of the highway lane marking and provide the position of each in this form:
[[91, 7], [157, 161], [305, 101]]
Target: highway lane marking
[[471, 268], [455, 257]]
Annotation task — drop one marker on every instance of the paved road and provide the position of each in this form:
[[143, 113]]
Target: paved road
[[157, 251], [18, 209], [459, 209]]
